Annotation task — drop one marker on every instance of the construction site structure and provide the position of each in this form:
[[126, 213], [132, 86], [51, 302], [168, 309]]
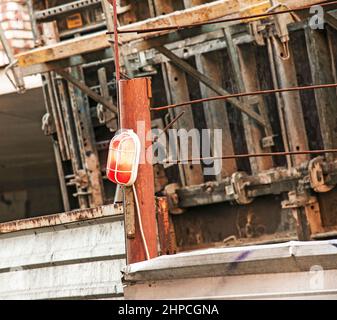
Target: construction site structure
[[231, 226]]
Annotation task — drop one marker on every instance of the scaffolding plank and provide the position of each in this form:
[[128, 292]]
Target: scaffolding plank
[[99, 41]]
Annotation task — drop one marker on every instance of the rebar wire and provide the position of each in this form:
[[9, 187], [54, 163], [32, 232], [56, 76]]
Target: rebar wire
[[255, 16], [116, 44], [245, 94], [113, 3], [253, 155]]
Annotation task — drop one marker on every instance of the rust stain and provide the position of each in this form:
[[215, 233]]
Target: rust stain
[[165, 228], [61, 219]]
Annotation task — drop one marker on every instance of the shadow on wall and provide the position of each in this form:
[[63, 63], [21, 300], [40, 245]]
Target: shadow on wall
[[28, 177]]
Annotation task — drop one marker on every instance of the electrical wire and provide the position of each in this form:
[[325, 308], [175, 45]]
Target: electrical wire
[[245, 94], [255, 16], [141, 224]]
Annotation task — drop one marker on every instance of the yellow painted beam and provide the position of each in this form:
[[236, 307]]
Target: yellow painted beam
[[99, 41]]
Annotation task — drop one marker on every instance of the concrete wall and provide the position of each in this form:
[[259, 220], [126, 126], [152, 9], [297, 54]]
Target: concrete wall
[[29, 184], [79, 261]]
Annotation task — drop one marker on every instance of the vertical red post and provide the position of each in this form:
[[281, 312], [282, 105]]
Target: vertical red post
[[135, 97]]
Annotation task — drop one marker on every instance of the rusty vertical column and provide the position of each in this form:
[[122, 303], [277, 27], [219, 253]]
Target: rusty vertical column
[[290, 102], [166, 232], [134, 109]]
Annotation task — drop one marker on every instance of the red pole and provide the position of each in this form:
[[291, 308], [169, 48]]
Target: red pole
[[135, 97]]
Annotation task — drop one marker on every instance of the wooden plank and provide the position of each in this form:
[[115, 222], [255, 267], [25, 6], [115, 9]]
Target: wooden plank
[[99, 41]]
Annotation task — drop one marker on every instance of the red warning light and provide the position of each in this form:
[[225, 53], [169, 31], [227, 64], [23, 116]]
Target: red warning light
[[123, 159]]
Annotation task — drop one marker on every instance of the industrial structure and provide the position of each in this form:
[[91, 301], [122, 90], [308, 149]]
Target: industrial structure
[[264, 72]]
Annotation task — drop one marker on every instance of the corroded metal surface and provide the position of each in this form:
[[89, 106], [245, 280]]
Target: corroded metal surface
[[61, 219]]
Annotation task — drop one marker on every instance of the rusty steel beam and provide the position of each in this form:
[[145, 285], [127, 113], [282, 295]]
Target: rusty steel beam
[[54, 220], [134, 109]]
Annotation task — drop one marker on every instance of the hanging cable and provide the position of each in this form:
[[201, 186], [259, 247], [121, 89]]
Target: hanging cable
[[255, 16], [140, 223], [245, 94]]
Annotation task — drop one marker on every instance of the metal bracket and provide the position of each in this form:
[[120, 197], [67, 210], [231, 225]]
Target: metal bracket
[[300, 204], [268, 142], [296, 200], [81, 179], [17, 81], [281, 26], [280, 23], [239, 184], [173, 199], [317, 177], [256, 30], [47, 124]]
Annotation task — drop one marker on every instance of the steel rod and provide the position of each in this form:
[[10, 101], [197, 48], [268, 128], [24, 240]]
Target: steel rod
[[245, 94], [256, 155]]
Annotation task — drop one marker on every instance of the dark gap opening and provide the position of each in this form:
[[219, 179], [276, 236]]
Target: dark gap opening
[[197, 110], [304, 78], [234, 115]]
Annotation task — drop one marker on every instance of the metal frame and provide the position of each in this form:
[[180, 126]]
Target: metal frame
[[170, 50]]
